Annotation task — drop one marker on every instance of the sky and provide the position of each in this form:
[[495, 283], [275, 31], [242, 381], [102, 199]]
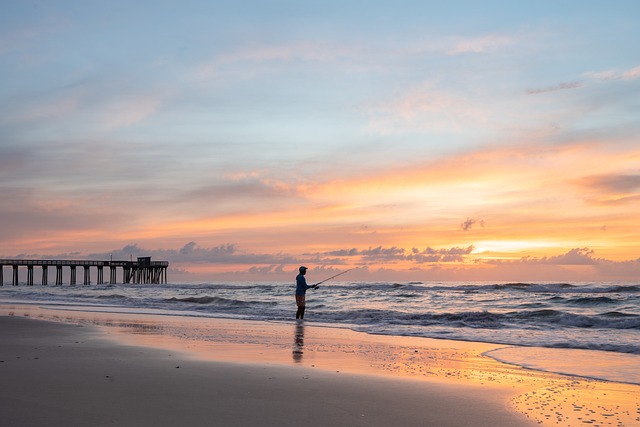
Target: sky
[[410, 140]]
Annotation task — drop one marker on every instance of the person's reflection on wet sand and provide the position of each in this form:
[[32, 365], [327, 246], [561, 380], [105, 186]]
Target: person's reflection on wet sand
[[298, 342]]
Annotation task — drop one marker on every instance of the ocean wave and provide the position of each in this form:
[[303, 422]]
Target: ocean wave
[[591, 300], [532, 305], [525, 287], [606, 322], [407, 296], [213, 300], [618, 314], [623, 289], [545, 318], [480, 319], [535, 314], [535, 287], [113, 297], [201, 300]]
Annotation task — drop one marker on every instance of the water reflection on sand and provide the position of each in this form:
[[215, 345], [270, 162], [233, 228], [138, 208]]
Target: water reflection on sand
[[298, 342]]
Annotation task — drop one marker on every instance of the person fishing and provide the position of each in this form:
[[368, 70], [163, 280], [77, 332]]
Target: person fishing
[[301, 291]]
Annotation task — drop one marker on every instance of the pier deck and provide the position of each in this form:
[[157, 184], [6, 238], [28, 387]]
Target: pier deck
[[141, 271]]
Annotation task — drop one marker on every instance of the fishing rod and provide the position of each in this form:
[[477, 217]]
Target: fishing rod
[[339, 274]]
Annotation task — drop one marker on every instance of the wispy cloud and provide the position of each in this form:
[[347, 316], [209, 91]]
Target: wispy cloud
[[561, 86], [247, 57], [613, 189], [21, 36], [129, 111], [112, 106], [12, 160], [42, 108], [589, 78], [481, 44], [629, 74], [423, 108], [613, 183]]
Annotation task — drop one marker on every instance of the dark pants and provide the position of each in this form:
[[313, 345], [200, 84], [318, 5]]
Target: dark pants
[[300, 312], [300, 302]]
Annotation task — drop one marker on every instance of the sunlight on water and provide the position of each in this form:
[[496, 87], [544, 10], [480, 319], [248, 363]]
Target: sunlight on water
[[604, 365]]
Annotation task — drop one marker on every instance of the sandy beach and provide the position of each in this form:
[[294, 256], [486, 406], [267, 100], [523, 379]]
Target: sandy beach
[[75, 368]]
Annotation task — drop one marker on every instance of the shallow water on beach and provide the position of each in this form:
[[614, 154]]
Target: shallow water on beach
[[585, 316]]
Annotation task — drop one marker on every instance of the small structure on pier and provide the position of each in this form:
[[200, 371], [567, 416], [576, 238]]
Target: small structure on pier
[[141, 271]]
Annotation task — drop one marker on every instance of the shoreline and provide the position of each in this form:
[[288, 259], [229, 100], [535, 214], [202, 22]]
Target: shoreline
[[602, 365], [411, 366]]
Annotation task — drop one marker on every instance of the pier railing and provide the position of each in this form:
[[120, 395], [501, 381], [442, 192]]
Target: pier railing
[[141, 271]]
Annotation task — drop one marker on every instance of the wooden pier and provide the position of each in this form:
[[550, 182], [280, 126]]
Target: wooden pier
[[141, 271]]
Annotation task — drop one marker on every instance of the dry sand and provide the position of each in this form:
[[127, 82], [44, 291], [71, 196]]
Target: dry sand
[[92, 369]]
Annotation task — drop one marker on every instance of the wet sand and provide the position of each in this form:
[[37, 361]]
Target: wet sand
[[78, 368]]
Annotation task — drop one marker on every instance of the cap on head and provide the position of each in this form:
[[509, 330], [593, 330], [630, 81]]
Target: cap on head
[[303, 268]]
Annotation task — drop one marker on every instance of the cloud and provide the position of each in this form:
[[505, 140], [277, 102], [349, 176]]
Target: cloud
[[396, 254], [82, 104], [613, 183], [429, 263], [591, 76], [187, 249], [449, 264], [469, 223], [611, 188], [371, 254], [619, 269], [480, 44], [26, 35], [245, 59], [576, 256], [430, 255], [423, 108], [35, 214], [585, 257], [126, 112], [380, 251], [54, 106], [631, 74], [305, 51], [12, 161], [192, 253], [606, 75], [561, 86], [245, 187]]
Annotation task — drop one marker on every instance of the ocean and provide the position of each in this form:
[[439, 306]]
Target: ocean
[[602, 317]]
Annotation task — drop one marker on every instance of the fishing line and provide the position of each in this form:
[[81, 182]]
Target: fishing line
[[339, 274]]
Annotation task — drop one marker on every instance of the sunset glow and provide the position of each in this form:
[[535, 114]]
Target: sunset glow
[[414, 141]]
